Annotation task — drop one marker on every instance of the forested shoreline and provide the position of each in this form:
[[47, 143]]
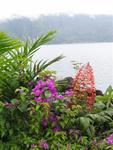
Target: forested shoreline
[[70, 29]]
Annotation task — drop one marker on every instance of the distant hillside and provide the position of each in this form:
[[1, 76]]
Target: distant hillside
[[70, 29]]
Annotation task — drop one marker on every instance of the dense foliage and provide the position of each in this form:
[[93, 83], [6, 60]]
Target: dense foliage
[[16, 65], [36, 113]]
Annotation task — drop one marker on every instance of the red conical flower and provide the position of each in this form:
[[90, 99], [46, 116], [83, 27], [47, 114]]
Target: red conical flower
[[84, 86]]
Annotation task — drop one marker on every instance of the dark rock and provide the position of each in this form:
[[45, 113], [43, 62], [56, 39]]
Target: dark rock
[[66, 84], [99, 92]]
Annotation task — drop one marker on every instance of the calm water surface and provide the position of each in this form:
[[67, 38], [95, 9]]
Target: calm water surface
[[100, 56]]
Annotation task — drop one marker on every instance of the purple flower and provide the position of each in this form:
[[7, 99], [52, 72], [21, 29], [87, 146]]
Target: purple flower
[[94, 142], [44, 122], [52, 117], [33, 146], [47, 100], [69, 93], [50, 83], [43, 144], [60, 97], [86, 148], [37, 92], [44, 87], [38, 99], [54, 94], [41, 84], [110, 139], [57, 128]]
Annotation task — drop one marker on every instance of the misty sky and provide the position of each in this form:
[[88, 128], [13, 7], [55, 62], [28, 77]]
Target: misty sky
[[33, 8]]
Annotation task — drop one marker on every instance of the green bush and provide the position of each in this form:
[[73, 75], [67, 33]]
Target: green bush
[[16, 65], [36, 115]]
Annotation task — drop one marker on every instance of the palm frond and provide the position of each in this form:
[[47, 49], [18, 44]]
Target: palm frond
[[46, 64], [16, 66], [8, 43], [31, 46], [42, 65]]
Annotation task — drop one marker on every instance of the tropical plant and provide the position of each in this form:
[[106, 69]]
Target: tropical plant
[[92, 124], [16, 65], [7, 43], [106, 100], [36, 115]]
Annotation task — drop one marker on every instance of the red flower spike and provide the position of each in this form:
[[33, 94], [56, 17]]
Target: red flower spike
[[84, 86]]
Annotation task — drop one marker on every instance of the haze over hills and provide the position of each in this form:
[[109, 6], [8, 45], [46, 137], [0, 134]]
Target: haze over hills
[[70, 29]]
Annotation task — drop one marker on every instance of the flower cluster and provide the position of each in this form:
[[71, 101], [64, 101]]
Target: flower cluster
[[57, 128], [68, 93], [83, 85], [45, 91], [110, 139], [43, 144]]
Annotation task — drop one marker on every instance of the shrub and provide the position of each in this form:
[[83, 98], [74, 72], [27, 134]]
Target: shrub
[[16, 65], [36, 115]]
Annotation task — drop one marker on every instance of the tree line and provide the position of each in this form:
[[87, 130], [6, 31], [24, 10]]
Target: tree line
[[70, 29]]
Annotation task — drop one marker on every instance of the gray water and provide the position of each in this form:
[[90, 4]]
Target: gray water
[[100, 56]]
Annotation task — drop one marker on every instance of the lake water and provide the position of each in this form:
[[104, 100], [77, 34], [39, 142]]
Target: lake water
[[100, 56]]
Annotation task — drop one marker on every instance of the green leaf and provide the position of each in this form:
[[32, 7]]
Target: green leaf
[[7, 43], [100, 105], [14, 101], [22, 107]]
